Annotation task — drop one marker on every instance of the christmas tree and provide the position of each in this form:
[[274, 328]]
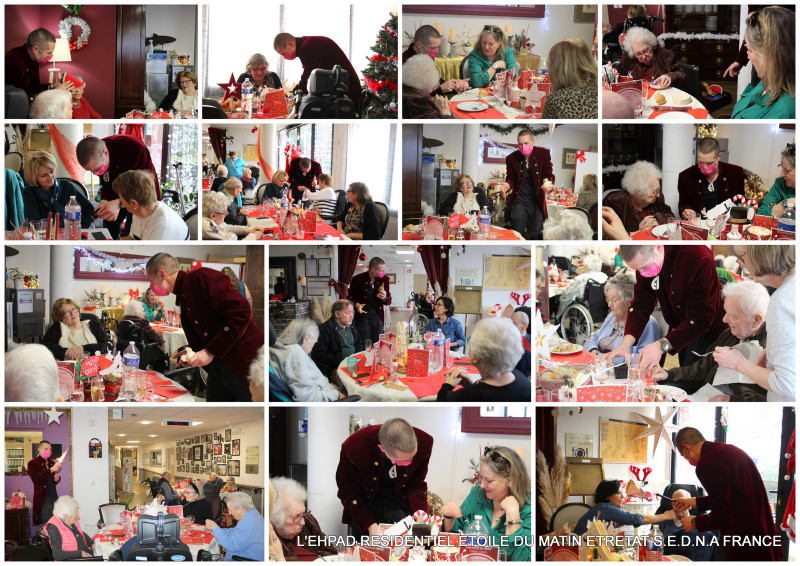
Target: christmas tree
[[381, 74]]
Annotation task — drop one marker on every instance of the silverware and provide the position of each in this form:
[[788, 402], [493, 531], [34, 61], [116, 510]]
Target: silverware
[[671, 108], [701, 355]]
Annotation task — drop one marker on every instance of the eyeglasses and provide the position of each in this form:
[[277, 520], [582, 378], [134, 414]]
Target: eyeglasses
[[754, 20], [740, 258], [494, 455], [187, 82], [259, 69], [466, 184], [496, 31], [645, 51], [69, 312], [300, 516]]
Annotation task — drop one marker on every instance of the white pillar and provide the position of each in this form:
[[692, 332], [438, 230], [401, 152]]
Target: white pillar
[[469, 152], [325, 423], [89, 483], [678, 154], [73, 132], [61, 263]]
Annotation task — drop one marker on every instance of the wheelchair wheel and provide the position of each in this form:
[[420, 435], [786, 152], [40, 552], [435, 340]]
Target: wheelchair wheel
[[576, 324]]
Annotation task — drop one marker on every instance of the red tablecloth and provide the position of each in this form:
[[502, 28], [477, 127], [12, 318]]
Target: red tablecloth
[[488, 114], [497, 233], [582, 357], [206, 184], [758, 220], [192, 536], [323, 229], [419, 386], [160, 327]]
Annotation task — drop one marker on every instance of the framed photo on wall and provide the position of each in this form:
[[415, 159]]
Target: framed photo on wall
[[218, 449], [235, 447], [198, 452], [233, 468], [227, 448], [222, 469], [227, 435]]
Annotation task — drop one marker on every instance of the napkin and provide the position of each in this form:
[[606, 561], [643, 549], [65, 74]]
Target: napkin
[[750, 350], [705, 393], [170, 392]]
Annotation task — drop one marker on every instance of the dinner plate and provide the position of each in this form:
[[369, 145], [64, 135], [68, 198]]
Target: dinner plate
[[676, 392], [472, 106], [671, 116], [573, 349], [660, 231]]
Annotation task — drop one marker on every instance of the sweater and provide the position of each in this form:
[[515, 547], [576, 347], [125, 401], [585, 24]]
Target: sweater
[[52, 338], [246, 539], [572, 103], [478, 66], [753, 104], [327, 352], [517, 390], [776, 194], [39, 202], [651, 333], [297, 370], [372, 221], [84, 111], [15, 205], [781, 342]]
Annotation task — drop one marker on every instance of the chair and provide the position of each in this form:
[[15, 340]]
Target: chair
[[212, 496], [691, 84], [115, 556], [383, 212], [212, 109], [191, 222], [16, 102], [341, 202], [258, 499], [11, 548], [593, 217], [694, 491], [86, 559], [42, 535], [14, 161], [583, 211], [109, 514], [150, 352], [77, 185], [463, 68], [259, 196], [569, 513], [236, 558], [608, 192], [595, 297], [279, 392]]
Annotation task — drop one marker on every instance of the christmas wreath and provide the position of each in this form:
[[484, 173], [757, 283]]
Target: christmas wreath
[[65, 30]]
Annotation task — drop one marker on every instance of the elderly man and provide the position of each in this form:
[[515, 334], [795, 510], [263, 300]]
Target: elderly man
[[745, 306], [317, 52], [219, 180], [218, 322], [44, 473], [710, 182], [381, 475], [521, 321], [427, 40], [737, 502], [338, 338], [643, 58], [233, 189], [302, 174], [370, 293], [683, 279], [529, 177], [293, 524], [108, 158], [696, 546], [165, 485], [22, 63], [246, 539]]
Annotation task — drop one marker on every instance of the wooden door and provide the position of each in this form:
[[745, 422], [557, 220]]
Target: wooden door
[[130, 60], [412, 171], [254, 278]]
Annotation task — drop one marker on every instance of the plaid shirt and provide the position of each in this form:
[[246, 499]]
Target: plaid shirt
[[664, 63], [311, 528]]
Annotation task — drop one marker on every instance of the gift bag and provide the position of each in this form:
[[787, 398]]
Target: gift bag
[[275, 105], [17, 501]]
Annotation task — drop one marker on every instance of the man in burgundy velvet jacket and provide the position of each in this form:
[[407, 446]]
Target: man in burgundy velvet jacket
[[529, 176], [218, 322], [381, 475], [737, 503], [22, 63], [302, 172], [108, 158], [317, 52], [369, 298], [43, 471], [709, 182]]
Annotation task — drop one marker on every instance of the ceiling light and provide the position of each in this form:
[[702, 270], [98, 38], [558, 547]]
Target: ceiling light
[[152, 435], [122, 435], [195, 423], [404, 252], [145, 422], [134, 441]]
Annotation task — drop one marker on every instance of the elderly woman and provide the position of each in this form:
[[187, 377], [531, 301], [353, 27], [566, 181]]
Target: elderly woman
[[275, 188], [67, 539], [590, 267], [502, 498], [45, 195], [746, 305], [643, 58], [55, 104], [608, 498], [769, 36], [81, 109], [257, 70], [232, 189], [573, 82], [219, 180], [443, 311], [230, 484], [134, 311], [782, 193], [194, 506], [640, 206], [495, 349], [153, 219], [587, 196], [70, 338], [420, 79], [255, 378], [184, 98], [464, 200], [360, 219], [31, 375], [772, 266], [291, 361], [248, 183], [153, 306], [165, 485], [567, 225], [619, 294], [246, 539], [489, 56], [215, 209], [293, 524], [323, 200]]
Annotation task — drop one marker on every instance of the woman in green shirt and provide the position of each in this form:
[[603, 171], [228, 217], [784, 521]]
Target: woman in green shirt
[[769, 37], [503, 499], [782, 192], [153, 307], [489, 56]]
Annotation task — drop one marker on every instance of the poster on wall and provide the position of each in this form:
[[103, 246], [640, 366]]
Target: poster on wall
[[579, 445], [617, 442], [235, 447]]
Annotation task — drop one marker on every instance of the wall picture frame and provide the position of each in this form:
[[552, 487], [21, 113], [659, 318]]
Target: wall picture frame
[[235, 447], [197, 453], [222, 469], [233, 468], [227, 435], [227, 448]]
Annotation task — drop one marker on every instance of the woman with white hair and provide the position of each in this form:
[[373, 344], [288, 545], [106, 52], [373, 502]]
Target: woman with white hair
[[420, 79], [640, 205], [293, 525], [619, 295], [219, 180], [67, 539], [55, 104], [567, 225], [32, 375], [643, 58], [290, 360], [256, 376], [490, 55], [134, 311], [215, 209], [246, 539], [495, 349]]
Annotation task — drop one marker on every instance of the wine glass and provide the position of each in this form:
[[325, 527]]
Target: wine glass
[[128, 389], [368, 345]]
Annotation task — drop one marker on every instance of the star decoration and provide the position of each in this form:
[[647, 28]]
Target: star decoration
[[541, 338], [232, 89], [659, 427], [53, 416]]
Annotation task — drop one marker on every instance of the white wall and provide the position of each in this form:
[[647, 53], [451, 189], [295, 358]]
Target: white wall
[[589, 423], [544, 32], [449, 462], [179, 22], [90, 474]]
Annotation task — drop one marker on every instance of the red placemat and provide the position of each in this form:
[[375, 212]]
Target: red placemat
[[169, 391], [162, 328], [529, 117], [482, 115], [582, 357], [643, 235], [428, 386]]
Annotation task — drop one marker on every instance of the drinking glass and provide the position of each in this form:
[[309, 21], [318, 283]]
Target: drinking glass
[[566, 396], [542, 396], [142, 387], [128, 389], [97, 389], [76, 395], [603, 371], [368, 345], [352, 366]]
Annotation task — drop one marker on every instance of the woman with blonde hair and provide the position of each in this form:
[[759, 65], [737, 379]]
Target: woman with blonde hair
[[573, 82], [782, 193], [184, 98], [503, 498], [587, 196], [238, 284], [490, 55], [45, 195], [275, 188], [464, 200], [69, 337], [769, 36]]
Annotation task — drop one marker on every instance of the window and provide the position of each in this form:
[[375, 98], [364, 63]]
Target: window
[[314, 140], [702, 417], [182, 139], [370, 158], [756, 429]]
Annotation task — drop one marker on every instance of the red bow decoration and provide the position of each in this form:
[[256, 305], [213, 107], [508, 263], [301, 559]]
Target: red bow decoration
[[636, 472], [232, 89], [646, 472], [133, 294], [525, 298], [195, 265], [580, 155], [526, 344], [515, 296]]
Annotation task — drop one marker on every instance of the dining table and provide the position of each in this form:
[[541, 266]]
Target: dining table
[[555, 206], [496, 233], [262, 217], [692, 111], [165, 390], [24, 233], [195, 537], [117, 313], [660, 232], [449, 67], [467, 105], [174, 337]]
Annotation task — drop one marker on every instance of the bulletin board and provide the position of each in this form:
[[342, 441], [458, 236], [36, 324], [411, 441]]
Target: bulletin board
[[469, 300], [617, 442], [586, 474], [250, 152], [507, 272], [591, 165]]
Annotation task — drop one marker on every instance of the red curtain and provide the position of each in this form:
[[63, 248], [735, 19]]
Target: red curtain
[[546, 442], [437, 267], [132, 130], [217, 138], [348, 258]]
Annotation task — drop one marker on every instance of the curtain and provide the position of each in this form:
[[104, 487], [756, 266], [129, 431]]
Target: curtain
[[546, 442], [132, 130], [437, 267], [348, 258], [66, 152], [217, 138]]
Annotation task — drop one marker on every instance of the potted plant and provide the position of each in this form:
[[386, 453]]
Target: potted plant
[[23, 279]]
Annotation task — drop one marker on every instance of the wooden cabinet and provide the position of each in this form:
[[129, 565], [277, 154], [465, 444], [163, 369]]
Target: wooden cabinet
[[17, 521], [623, 145]]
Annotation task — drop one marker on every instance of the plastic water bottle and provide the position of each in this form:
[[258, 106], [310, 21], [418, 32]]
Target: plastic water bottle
[[485, 220], [655, 546], [72, 220], [787, 221], [285, 212], [247, 97], [477, 533], [130, 366], [437, 352]]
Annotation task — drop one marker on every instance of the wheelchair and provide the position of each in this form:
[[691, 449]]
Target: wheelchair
[[577, 316]]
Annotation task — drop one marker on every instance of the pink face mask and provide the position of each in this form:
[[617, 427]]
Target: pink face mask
[[46, 454], [526, 150], [707, 169], [403, 463], [693, 461], [290, 56], [381, 274], [100, 172], [653, 270], [433, 53], [160, 291], [45, 60]]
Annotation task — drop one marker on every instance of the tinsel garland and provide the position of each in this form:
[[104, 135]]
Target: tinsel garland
[[683, 36], [65, 31], [107, 261], [506, 130]]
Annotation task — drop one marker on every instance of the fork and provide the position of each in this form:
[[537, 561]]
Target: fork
[[701, 355]]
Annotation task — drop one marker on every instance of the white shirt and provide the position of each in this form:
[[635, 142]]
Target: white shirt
[[163, 224], [465, 205], [76, 338], [185, 103]]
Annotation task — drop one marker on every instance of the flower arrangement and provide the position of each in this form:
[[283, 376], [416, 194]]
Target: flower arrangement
[[182, 58], [522, 42], [28, 278], [497, 176], [474, 469]]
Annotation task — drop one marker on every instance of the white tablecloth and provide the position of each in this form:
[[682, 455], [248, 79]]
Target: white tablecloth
[[472, 94], [669, 93], [174, 340], [105, 549]]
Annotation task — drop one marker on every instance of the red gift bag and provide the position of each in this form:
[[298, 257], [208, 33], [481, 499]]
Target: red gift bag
[[275, 105], [17, 501]]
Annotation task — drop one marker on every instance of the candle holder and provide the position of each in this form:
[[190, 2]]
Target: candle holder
[[452, 47], [102, 299]]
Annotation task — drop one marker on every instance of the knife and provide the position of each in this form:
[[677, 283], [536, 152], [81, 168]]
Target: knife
[[671, 108]]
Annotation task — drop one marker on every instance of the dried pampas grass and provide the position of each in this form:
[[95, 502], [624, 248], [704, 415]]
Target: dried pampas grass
[[553, 482]]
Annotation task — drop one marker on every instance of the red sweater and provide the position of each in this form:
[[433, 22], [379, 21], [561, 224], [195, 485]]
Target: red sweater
[[85, 111]]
